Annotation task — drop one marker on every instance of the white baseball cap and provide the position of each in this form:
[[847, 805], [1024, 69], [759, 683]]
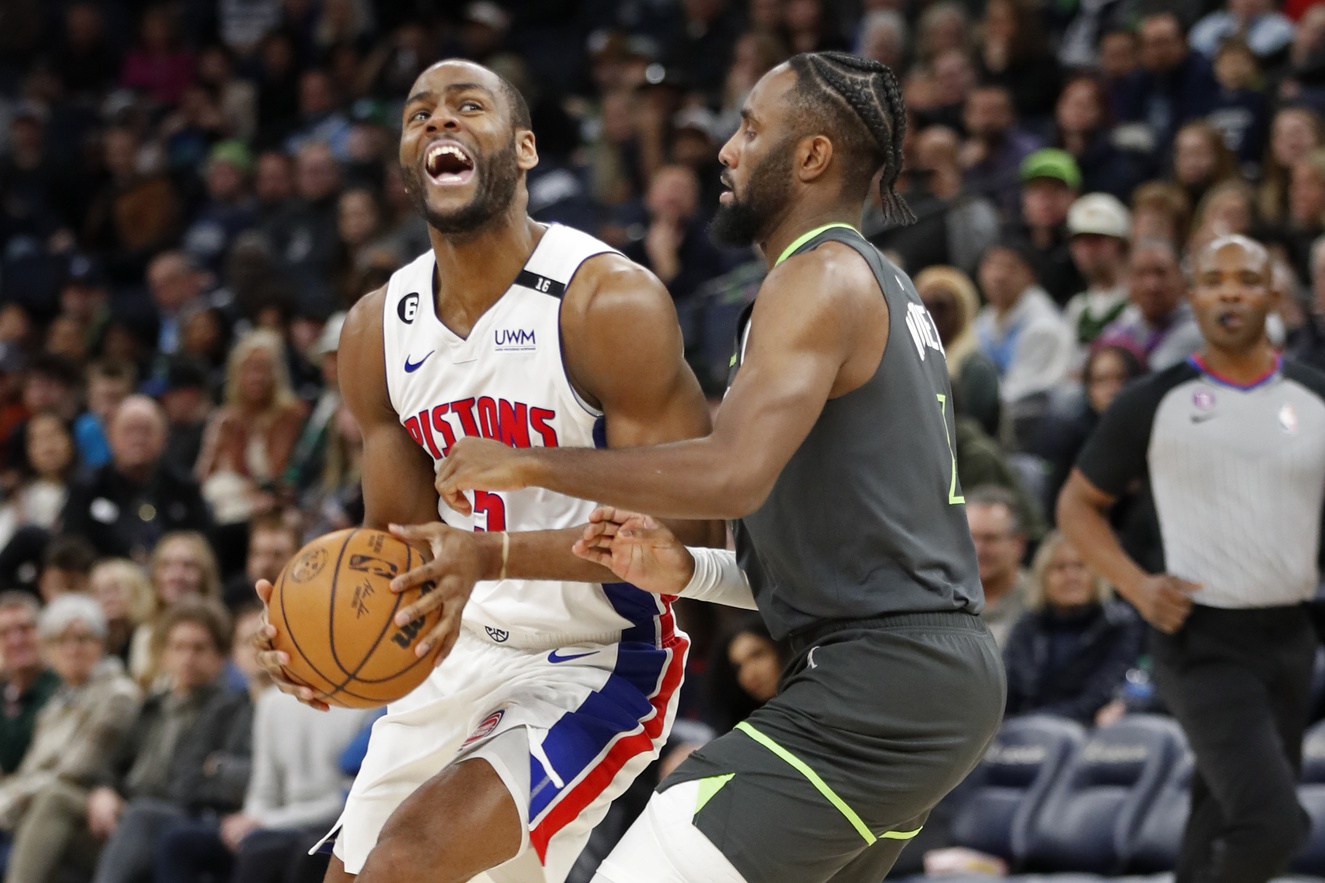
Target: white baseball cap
[[1099, 213]]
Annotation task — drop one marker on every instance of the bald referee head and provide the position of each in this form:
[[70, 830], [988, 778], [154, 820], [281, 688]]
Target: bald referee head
[[1232, 293]]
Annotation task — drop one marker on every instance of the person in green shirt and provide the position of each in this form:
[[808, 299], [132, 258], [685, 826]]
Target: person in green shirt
[[27, 682]]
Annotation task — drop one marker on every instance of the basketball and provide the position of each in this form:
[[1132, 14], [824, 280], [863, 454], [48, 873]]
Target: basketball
[[334, 612]]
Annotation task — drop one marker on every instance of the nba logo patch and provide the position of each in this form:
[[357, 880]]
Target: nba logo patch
[[485, 727], [1203, 399], [1288, 419]]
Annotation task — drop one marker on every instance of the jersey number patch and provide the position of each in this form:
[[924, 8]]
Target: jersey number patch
[[493, 508], [953, 497]]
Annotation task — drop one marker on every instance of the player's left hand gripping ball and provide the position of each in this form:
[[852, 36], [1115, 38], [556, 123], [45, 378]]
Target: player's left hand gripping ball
[[478, 463]]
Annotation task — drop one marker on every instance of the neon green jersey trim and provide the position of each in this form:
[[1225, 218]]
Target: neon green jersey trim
[[710, 786], [820, 785], [806, 237]]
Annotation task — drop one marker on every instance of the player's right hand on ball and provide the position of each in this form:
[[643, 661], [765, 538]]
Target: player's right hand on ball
[[637, 549], [1164, 601], [273, 661]]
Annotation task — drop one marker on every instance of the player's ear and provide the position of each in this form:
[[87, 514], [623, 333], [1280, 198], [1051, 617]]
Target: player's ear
[[813, 155], [526, 151]]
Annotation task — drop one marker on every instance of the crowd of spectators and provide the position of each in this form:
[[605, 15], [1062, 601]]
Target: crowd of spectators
[[192, 193]]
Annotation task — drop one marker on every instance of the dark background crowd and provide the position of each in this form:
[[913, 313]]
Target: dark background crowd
[[192, 193]]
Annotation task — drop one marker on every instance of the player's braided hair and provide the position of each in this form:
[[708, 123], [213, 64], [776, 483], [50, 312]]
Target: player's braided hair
[[861, 100]]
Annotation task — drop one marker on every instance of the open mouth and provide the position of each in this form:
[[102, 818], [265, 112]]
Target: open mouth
[[1230, 320], [448, 164]]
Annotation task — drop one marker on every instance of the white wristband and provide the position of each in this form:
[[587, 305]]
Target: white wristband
[[718, 579]]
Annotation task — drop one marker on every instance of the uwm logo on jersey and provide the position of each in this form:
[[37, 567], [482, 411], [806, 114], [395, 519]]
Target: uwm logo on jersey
[[516, 424]]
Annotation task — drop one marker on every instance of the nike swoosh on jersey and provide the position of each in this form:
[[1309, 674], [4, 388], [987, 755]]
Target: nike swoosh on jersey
[[1201, 418], [411, 367], [556, 657]]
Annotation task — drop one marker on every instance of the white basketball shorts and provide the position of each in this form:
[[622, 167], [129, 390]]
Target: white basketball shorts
[[583, 723]]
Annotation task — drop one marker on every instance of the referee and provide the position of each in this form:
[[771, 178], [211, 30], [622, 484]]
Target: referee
[[1232, 443]]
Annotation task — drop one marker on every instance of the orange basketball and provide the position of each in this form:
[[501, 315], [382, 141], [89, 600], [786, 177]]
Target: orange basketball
[[334, 613]]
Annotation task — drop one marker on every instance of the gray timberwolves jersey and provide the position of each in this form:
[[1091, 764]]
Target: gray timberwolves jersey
[[867, 518]]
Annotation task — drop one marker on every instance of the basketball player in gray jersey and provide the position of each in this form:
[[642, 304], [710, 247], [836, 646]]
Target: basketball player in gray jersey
[[833, 453]]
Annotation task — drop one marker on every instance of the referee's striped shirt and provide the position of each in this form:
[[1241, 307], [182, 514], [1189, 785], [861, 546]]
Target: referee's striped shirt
[[1237, 474]]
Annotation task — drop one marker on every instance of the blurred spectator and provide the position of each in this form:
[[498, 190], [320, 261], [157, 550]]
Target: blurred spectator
[[1021, 330], [1068, 653], [126, 598], [364, 244], [953, 226], [158, 66], [54, 384], [125, 506], [995, 147], [882, 36], [1014, 52], [1107, 369], [66, 565], [272, 542], [942, 26], [1201, 159], [952, 77], [981, 462], [1084, 125], [1099, 226], [235, 98], [187, 403], [177, 287], [1306, 210], [1157, 321], [307, 458], [41, 494], [743, 672], [247, 443], [72, 742], [273, 184], [294, 795], [1119, 59], [336, 500], [26, 682], [1050, 181], [228, 209], [1161, 210], [950, 297], [145, 759], [1241, 110], [1307, 343], [676, 246], [109, 383], [1294, 132], [1173, 84], [1266, 31], [304, 236], [134, 213], [1304, 72], [1000, 545], [319, 119], [208, 766], [83, 59], [1229, 207], [183, 565]]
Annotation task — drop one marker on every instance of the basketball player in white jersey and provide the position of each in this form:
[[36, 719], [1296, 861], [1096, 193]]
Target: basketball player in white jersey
[[554, 695]]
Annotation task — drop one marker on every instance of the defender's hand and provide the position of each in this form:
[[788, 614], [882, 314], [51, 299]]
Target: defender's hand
[[273, 661], [456, 563], [478, 463], [636, 548]]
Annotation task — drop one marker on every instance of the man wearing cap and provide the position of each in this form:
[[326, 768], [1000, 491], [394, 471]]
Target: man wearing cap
[[229, 209], [1099, 226], [83, 297], [187, 403], [1050, 181], [1021, 329]]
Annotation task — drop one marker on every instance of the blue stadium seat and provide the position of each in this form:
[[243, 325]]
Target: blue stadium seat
[[1311, 794], [1095, 808], [1159, 841], [1005, 791]]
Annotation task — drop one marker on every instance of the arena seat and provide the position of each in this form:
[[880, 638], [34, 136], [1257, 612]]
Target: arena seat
[[1159, 840], [1093, 811], [1005, 791], [1311, 794]]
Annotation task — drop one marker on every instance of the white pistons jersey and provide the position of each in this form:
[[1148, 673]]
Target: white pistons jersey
[[507, 381]]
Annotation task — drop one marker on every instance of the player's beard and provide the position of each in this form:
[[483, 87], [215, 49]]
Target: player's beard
[[498, 178], [745, 220]]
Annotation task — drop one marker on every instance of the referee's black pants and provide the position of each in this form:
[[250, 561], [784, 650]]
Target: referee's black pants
[[1238, 683]]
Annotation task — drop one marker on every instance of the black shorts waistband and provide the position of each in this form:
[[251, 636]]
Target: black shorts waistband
[[938, 619]]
